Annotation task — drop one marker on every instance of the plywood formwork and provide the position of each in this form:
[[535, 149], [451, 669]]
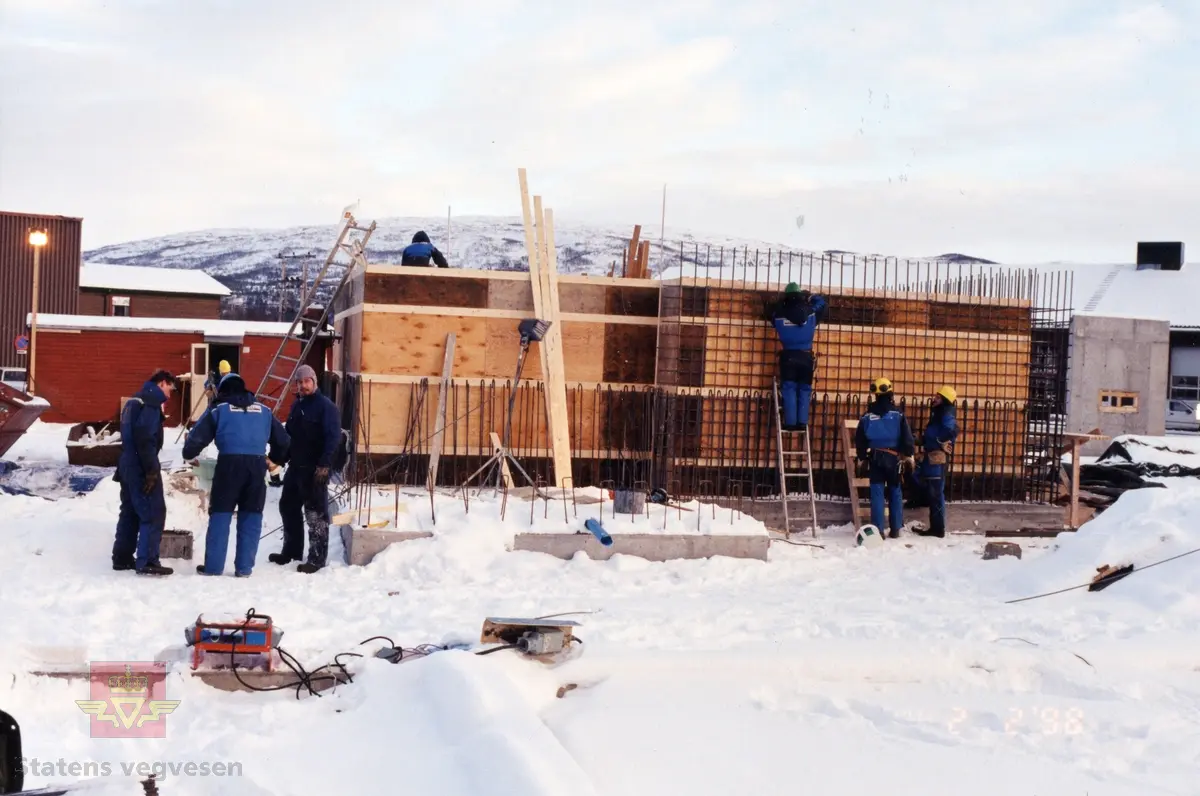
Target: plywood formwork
[[676, 370]]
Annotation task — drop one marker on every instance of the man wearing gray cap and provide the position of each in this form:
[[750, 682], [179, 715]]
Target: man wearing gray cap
[[315, 436]]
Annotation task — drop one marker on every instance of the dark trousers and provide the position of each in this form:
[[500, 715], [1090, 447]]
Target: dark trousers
[[796, 370], [302, 500], [931, 478], [884, 478], [141, 519], [239, 483]]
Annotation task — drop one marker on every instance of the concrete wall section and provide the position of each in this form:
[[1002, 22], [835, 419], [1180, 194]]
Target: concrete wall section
[[1117, 355]]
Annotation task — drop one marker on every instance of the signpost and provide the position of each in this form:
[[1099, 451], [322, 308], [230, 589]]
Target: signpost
[[21, 343]]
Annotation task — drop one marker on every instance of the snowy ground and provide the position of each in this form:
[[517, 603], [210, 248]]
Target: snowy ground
[[826, 671]]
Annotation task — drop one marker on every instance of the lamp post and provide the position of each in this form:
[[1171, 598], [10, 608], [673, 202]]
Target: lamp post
[[37, 239]]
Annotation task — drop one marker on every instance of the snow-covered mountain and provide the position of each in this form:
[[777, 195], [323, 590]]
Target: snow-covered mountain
[[248, 260]]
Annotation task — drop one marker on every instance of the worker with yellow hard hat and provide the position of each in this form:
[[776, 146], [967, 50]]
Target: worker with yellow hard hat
[[882, 443], [937, 443]]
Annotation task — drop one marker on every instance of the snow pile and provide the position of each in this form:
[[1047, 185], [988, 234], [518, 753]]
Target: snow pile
[[1161, 451], [1143, 527], [706, 677]]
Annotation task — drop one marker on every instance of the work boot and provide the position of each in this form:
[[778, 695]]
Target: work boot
[[308, 569], [928, 532], [122, 566], [158, 570], [894, 533], [280, 558]]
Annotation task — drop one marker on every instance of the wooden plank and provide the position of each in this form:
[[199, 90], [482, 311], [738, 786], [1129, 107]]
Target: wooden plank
[[556, 388], [505, 473], [627, 354], [631, 253], [440, 429]]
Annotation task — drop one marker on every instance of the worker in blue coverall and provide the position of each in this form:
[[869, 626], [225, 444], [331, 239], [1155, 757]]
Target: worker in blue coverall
[[795, 319], [242, 429], [316, 433], [884, 444], [420, 251], [937, 443], [143, 504]]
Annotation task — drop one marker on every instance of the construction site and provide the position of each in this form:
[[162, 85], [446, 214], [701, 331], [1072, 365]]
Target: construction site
[[634, 382]]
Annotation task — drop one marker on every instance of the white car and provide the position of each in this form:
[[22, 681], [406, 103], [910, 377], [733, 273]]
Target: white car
[[1183, 416], [16, 378]]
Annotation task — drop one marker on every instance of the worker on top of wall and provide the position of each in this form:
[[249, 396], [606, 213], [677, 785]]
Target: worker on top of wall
[[795, 319], [143, 510], [883, 443], [316, 434], [420, 251], [937, 443], [242, 428]]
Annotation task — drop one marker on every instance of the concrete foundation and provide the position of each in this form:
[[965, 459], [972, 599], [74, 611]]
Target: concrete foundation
[[968, 517], [1128, 358], [363, 544], [652, 547]]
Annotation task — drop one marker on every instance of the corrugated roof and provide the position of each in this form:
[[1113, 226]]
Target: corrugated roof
[[145, 279], [205, 326]]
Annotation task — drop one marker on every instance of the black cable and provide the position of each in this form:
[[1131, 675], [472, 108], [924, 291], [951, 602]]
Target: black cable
[[374, 638], [497, 649]]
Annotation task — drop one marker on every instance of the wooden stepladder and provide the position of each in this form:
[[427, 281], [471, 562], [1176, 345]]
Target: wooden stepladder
[[860, 507], [794, 461]]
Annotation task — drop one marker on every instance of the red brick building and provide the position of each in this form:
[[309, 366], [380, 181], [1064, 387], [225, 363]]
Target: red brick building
[[87, 365], [142, 292]]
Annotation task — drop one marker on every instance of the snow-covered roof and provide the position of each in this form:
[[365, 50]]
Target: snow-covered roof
[[1126, 292], [205, 326], [144, 279]]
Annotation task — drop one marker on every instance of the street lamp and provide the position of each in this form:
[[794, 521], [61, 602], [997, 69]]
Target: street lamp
[[37, 239]]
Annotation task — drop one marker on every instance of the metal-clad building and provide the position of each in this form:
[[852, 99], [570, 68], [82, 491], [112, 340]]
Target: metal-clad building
[[58, 277]]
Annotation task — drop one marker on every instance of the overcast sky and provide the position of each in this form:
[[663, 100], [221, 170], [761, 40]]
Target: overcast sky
[[1024, 131]]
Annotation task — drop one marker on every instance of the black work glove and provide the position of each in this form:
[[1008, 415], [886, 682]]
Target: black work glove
[[149, 481], [321, 476], [861, 468]]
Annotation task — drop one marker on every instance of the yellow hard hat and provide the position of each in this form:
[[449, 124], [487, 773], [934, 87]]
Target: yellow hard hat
[[881, 386], [223, 368], [947, 392]]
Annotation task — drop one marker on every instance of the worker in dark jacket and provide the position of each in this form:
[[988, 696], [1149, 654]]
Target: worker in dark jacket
[[242, 429], [143, 504], [795, 319], [315, 436], [883, 442], [420, 251], [937, 443]]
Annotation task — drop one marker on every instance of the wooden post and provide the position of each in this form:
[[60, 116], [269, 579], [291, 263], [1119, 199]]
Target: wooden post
[[1074, 515], [37, 251]]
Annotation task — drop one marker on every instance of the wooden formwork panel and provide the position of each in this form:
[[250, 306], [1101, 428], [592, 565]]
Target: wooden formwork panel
[[347, 348], [426, 290], [414, 345]]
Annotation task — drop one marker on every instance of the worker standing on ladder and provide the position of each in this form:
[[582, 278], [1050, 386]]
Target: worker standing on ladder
[[795, 319], [937, 443], [884, 442]]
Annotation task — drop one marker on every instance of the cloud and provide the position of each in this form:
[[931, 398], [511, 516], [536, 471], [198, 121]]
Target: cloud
[[906, 128]]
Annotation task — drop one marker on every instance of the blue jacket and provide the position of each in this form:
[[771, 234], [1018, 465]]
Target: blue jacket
[[315, 431], [941, 429], [142, 429], [796, 322], [240, 426], [420, 251], [883, 426]]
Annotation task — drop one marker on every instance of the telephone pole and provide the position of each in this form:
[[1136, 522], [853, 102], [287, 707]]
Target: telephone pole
[[285, 281]]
